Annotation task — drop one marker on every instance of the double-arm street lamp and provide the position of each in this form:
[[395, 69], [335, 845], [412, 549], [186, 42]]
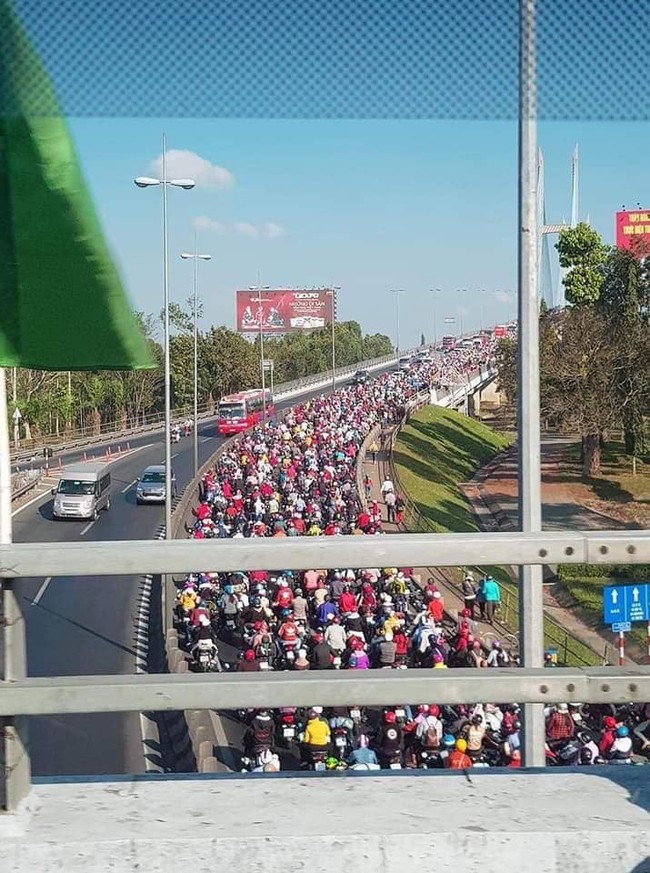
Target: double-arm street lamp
[[186, 184], [196, 257]]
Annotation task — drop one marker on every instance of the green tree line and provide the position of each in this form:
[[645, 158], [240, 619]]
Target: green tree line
[[595, 353], [55, 404]]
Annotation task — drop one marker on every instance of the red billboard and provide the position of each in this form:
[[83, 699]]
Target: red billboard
[[284, 311], [633, 230]]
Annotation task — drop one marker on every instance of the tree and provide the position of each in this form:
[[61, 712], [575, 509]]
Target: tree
[[583, 253], [578, 361], [506, 364]]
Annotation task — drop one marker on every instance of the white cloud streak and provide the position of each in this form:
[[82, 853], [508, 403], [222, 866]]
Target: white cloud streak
[[244, 228], [204, 222], [182, 164], [273, 230]]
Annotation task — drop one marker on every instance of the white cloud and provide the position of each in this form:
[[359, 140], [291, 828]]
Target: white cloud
[[204, 222], [183, 164], [504, 296], [273, 230], [245, 229]]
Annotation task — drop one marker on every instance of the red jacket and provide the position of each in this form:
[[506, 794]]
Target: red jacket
[[347, 602]]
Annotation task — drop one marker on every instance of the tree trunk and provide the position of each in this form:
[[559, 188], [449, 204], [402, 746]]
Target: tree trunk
[[96, 422], [211, 404], [28, 430], [124, 419], [591, 464], [582, 450]]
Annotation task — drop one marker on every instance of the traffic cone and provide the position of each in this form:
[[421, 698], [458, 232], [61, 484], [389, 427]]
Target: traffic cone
[[85, 456]]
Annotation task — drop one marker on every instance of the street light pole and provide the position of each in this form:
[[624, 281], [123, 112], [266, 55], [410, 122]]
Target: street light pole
[[433, 292], [196, 257], [332, 293], [531, 626], [259, 288], [397, 292], [186, 184]]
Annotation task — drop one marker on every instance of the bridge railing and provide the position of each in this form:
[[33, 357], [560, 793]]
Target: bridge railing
[[21, 697]]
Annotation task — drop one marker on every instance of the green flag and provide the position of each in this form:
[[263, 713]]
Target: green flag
[[62, 301]]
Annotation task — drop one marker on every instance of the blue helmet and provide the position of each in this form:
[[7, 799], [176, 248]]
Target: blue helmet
[[622, 731], [449, 741]]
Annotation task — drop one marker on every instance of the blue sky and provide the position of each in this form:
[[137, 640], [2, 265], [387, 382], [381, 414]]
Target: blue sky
[[365, 205]]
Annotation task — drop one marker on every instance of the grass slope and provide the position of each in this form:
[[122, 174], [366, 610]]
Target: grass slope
[[436, 451]]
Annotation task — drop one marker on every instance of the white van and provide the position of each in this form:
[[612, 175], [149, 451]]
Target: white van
[[83, 490], [404, 363]]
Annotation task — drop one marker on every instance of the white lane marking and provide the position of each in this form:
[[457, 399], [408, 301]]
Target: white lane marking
[[29, 502], [174, 456], [128, 487], [87, 528], [41, 591], [207, 439]]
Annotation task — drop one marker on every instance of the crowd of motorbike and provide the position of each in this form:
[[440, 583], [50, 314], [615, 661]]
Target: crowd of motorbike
[[296, 476]]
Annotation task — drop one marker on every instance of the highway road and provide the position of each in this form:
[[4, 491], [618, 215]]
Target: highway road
[[87, 626]]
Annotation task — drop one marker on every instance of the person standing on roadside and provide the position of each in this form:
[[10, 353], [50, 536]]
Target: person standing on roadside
[[469, 592], [390, 501], [492, 594]]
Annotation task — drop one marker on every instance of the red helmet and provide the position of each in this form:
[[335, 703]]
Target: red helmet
[[609, 722], [434, 710], [390, 717], [249, 655]]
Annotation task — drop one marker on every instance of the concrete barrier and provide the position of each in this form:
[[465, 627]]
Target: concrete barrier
[[488, 821]]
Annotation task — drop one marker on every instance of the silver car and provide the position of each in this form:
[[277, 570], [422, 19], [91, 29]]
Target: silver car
[[151, 485]]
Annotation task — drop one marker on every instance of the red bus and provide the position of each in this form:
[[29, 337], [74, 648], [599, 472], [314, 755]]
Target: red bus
[[237, 412], [448, 342], [499, 331]]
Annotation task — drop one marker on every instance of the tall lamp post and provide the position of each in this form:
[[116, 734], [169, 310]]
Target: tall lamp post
[[397, 292], [196, 257], [259, 288], [186, 184], [332, 292], [433, 292]]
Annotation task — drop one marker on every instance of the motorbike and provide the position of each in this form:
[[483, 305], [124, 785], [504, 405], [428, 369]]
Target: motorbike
[[204, 658], [288, 726]]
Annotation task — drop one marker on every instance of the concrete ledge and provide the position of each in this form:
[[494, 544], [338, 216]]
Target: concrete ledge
[[483, 821]]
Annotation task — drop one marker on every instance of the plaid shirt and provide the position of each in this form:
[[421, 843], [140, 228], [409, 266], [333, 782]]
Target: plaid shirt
[[560, 726]]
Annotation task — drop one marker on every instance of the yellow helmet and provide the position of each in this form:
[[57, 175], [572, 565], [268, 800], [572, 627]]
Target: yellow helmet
[[461, 745]]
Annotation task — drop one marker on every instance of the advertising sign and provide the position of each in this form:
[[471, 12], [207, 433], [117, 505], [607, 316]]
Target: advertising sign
[[283, 311], [633, 229]]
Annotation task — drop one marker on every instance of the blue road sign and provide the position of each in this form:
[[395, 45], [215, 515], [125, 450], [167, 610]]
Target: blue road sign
[[626, 603], [623, 626]]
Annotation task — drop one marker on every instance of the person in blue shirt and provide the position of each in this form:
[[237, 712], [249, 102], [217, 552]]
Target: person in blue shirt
[[363, 757], [492, 594], [324, 610]]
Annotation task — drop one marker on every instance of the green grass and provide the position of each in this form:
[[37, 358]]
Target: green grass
[[588, 594], [435, 452]]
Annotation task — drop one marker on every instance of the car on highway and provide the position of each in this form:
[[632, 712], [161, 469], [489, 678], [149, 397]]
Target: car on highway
[[151, 485], [404, 363], [360, 377], [83, 490]]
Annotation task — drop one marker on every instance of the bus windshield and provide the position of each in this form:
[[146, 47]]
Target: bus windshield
[[76, 486], [231, 410]]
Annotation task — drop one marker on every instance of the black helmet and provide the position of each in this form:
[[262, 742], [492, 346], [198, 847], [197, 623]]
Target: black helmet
[[586, 756]]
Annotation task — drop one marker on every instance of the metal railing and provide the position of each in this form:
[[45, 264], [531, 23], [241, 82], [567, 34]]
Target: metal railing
[[20, 696], [154, 421]]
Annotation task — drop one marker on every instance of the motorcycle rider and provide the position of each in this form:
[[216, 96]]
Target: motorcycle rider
[[202, 636], [458, 759], [259, 736], [317, 736], [363, 757], [620, 751], [335, 636], [389, 739], [249, 663]]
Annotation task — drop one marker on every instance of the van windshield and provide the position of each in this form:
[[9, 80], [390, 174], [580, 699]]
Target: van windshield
[[154, 476], [76, 486]]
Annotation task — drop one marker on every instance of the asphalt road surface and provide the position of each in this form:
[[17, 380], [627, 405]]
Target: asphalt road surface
[[86, 626]]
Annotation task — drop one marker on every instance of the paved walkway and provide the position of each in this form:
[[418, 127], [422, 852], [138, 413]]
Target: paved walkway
[[493, 495], [452, 598]]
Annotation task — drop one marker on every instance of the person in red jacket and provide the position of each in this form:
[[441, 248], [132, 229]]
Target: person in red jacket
[[347, 601], [607, 735], [401, 645], [283, 596], [289, 634], [436, 607], [202, 511]]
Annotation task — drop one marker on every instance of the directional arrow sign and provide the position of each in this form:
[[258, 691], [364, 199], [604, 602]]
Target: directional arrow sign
[[17, 414], [626, 603], [614, 604]]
